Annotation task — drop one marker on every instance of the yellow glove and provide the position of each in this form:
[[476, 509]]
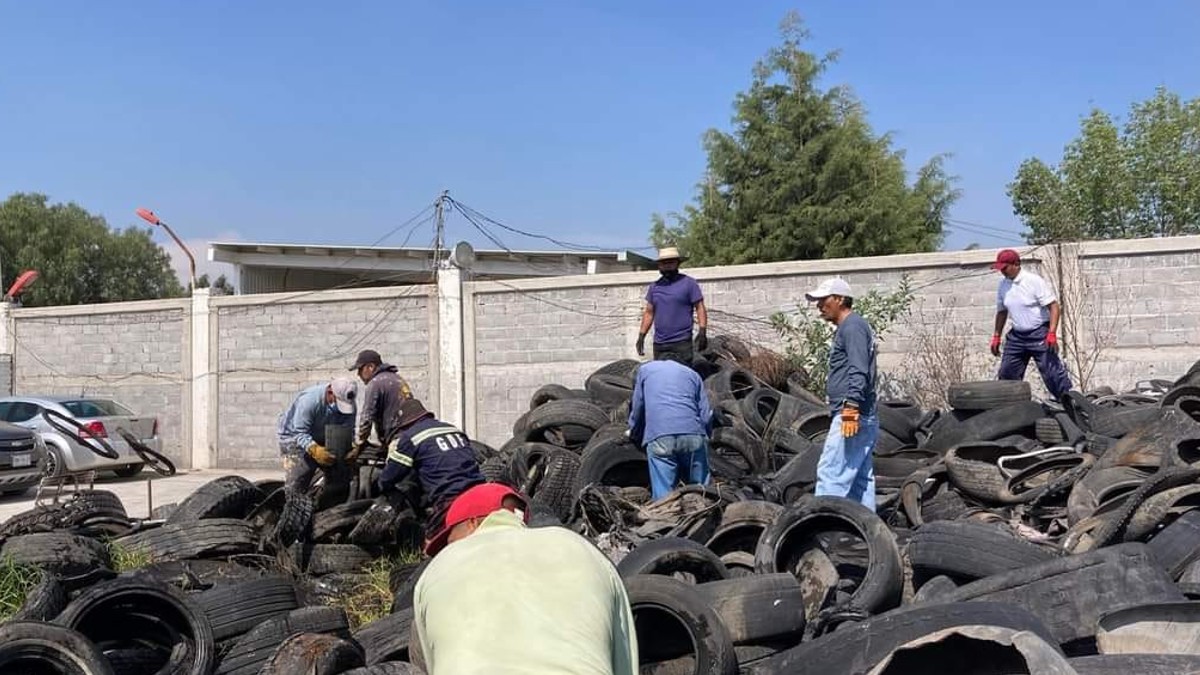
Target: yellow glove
[[320, 455], [849, 421]]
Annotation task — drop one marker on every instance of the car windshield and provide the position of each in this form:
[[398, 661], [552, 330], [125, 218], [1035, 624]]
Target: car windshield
[[96, 407]]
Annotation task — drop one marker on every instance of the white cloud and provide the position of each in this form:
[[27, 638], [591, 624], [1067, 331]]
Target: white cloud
[[199, 249]]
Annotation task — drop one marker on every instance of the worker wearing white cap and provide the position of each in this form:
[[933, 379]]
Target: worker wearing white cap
[[301, 428], [845, 469]]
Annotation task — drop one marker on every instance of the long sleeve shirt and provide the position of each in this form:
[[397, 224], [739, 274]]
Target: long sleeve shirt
[[381, 403], [852, 366], [439, 453], [303, 423], [668, 399], [511, 599]]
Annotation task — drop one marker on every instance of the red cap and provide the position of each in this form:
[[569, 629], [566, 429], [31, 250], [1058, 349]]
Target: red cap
[[476, 502], [1006, 257]]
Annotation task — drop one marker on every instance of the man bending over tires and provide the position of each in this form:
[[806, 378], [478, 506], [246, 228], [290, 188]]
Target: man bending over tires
[[502, 598], [438, 453], [1029, 301], [845, 469], [670, 414], [301, 429]]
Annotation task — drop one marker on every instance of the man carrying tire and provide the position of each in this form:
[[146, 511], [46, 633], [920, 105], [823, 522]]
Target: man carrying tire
[[670, 303], [1029, 301], [845, 468], [301, 429], [437, 453], [386, 390], [501, 597], [670, 414]]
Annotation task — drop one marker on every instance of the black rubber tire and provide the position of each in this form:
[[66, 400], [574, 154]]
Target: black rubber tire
[[158, 462], [194, 539], [1113, 530], [1178, 544], [235, 608], [224, 497], [758, 407], [402, 595], [750, 450], [45, 518], [386, 638], [60, 553], [497, 470], [1049, 431], [1142, 664], [987, 394], [1117, 422], [379, 524], [665, 610], [334, 523], [970, 550], [985, 426], [44, 601], [758, 608], [614, 463], [1070, 594], [547, 393], [673, 555], [896, 422], [1098, 484], [252, 651], [314, 654], [609, 390], [52, 649], [624, 367], [562, 413], [933, 590], [295, 521], [338, 558], [554, 491], [735, 383], [388, 668], [781, 546], [100, 612], [858, 647], [742, 525], [974, 470]]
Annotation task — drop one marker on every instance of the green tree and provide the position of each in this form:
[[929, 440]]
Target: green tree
[[79, 259], [803, 176], [1139, 180], [219, 287]]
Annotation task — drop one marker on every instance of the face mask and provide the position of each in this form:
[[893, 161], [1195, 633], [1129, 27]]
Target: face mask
[[332, 407], [669, 274]]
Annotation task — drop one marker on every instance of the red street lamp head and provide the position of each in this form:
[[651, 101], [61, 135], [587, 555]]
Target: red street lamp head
[[148, 216]]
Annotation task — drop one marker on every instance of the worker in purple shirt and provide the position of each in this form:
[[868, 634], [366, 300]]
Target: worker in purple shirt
[[671, 416], [670, 302]]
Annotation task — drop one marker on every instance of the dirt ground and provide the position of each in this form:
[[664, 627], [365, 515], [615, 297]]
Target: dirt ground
[[139, 493]]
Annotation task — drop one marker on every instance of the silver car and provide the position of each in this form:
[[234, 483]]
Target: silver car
[[91, 418]]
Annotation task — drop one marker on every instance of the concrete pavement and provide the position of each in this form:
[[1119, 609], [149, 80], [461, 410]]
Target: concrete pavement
[[134, 491]]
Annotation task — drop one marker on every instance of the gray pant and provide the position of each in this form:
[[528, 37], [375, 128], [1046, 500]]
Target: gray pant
[[298, 468]]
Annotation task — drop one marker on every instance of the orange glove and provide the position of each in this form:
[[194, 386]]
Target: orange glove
[[849, 421], [996, 345], [320, 455]]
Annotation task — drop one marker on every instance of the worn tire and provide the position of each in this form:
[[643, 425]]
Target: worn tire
[[987, 394], [974, 470], [253, 649], [758, 608], [747, 451], [339, 520], [1099, 486], [554, 492], [194, 539], [1049, 431], [1178, 545], [673, 555], [616, 463], [314, 654], [388, 668], [386, 638], [44, 601], [565, 412], [235, 608], [969, 550], [1117, 422], [224, 497], [780, 550], [1142, 664], [662, 605], [32, 646], [742, 525], [985, 426], [295, 520], [338, 558], [65, 555]]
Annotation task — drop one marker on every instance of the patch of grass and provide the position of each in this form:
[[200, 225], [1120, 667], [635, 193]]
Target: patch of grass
[[372, 598], [16, 580], [126, 559]]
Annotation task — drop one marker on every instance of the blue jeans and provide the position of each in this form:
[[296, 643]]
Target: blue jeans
[[675, 459], [844, 469]]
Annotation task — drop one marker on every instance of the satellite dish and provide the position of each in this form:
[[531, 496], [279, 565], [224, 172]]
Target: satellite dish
[[463, 255]]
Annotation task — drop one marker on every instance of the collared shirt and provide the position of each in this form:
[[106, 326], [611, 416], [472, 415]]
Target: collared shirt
[[852, 374], [381, 403], [668, 399], [673, 300], [440, 454], [508, 599], [1026, 298], [303, 423]]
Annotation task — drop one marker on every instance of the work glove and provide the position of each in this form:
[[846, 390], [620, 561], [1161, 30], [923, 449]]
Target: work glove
[[702, 339], [354, 451], [641, 344], [849, 421], [996, 345], [1052, 342], [320, 455]]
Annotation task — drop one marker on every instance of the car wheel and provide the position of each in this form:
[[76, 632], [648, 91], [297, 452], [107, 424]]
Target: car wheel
[[129, 471], [52, 465]]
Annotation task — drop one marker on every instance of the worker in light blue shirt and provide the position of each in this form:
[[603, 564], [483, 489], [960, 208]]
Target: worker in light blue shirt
[[671, 417]]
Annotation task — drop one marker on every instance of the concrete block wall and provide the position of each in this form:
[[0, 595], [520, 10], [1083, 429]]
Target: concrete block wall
[[269, 347], [135, 353]]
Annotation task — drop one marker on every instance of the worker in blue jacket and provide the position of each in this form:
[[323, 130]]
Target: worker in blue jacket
[[440, 455], [670, 414], [301, 429]]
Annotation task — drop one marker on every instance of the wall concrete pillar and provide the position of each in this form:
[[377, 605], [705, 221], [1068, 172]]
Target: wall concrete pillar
[[451, 403], [200, 438]]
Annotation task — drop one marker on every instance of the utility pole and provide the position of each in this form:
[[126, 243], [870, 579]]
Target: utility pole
[[440, 227]]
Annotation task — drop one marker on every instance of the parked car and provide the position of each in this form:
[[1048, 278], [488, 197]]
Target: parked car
[[22, 458], [97, 417]]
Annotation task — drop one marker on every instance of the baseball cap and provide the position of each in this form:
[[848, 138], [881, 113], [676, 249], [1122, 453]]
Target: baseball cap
[[477, 502], [343, 394], [1006, 257], [365, 358], [835, 286]]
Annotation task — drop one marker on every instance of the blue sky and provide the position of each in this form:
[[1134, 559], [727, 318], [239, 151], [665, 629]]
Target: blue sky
[[335, 122]]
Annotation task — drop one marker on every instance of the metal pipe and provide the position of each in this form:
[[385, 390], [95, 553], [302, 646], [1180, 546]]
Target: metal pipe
[[150, 217]]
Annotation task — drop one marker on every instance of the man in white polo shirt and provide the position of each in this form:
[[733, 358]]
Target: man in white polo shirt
[[1029, 301]]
